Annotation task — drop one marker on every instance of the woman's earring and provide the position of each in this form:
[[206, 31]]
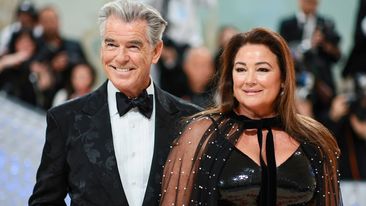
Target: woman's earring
[[282, 90]]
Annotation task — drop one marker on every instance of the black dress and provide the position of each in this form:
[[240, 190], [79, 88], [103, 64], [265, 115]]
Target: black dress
[[240, 180], [205, 167]]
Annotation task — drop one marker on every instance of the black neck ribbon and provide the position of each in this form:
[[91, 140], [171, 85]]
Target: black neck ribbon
[[268, 191]]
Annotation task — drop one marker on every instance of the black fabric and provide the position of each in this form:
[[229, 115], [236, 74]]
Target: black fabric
[[356, 61], [240, 180], [144, 103], [267, 195]]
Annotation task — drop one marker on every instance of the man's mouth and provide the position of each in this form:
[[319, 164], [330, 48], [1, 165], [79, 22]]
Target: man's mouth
[[121, 69]]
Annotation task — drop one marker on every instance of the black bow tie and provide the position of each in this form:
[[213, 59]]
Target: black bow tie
[[144, 103]]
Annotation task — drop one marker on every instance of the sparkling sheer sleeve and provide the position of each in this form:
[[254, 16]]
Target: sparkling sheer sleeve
[[183, 161]]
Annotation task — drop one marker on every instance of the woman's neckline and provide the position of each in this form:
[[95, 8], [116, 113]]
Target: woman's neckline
[[235, 114], [249, 123]]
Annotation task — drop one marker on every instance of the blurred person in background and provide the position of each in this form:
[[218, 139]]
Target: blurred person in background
[[225, 34], [43, 83], [198, 66], [81, 82], [347, 120], [315, 46], [59, 52], [17, 77], [26, 17], [355, 67], [171, 75]]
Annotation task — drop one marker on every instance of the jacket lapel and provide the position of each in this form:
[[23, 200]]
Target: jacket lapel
[[100, 151], [166, 116]]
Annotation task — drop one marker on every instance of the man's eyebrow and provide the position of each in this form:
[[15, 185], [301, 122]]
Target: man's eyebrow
[[136, 42], [109, 40]]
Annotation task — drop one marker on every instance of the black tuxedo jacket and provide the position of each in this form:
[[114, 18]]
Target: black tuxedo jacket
[[292, 30], [356, 61], [78, 156]]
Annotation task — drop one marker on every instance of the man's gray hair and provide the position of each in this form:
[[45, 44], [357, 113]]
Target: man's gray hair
[[130, 11]]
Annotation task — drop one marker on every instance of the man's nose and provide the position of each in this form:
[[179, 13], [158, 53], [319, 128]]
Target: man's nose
[[122, 56]]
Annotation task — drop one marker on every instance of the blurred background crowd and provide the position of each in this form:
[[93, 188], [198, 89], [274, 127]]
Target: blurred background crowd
[[44, 63]]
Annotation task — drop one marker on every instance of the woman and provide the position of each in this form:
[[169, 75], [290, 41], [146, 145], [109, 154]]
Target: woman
[[253, 148], [15, 66], [80, 83]]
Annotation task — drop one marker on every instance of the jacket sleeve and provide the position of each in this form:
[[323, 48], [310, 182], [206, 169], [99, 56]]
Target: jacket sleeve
[[51, 182]]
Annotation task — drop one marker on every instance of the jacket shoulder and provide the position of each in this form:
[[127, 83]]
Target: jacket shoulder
[[171, 102], [288, 20], [74, 105]]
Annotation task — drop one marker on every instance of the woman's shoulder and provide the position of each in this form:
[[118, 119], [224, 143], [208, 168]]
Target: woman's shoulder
[[199, 123], [204, 120], [198, 127]]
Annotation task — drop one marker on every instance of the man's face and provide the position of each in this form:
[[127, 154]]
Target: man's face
[[199, 67], [48, 19], [308, 6], [127, 55]]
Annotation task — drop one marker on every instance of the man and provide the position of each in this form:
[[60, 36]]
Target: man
[[355, 67], [315, 45], [26, 18], [198, 65], [59, 52], [96, 150], [171, 76]]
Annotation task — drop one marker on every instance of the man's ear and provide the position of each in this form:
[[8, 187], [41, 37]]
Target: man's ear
[[157, 52]]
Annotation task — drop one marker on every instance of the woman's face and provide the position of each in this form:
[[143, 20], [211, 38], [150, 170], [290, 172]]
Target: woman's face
[[359, 126], [25, 44], [81, 78], [256, 80]]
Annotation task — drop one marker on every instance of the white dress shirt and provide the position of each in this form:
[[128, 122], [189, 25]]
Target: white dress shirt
[[133, 141], [309, 25]]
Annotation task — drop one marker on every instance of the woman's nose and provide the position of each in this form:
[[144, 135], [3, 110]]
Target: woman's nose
[[250, 78]]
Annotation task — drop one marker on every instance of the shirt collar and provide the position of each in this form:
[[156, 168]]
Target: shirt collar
[[301, 17]]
